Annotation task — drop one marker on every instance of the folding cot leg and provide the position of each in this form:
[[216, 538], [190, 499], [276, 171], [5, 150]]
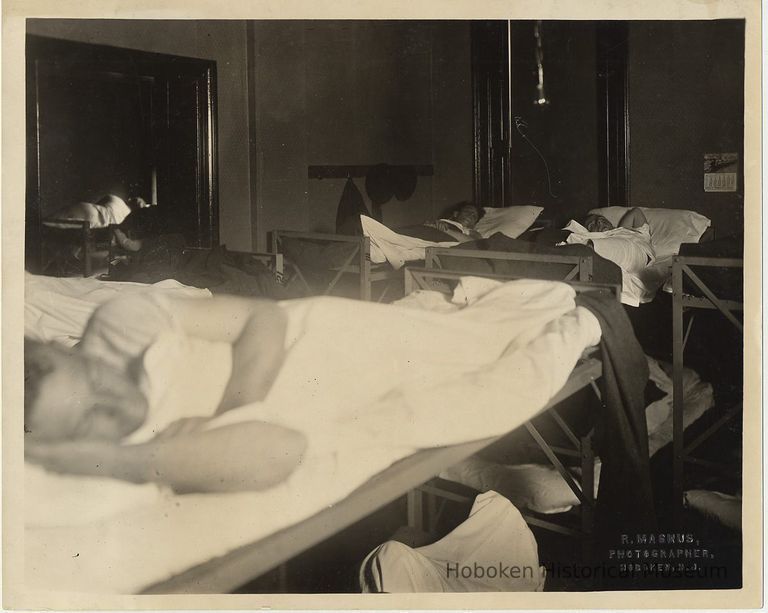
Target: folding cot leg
[[282, 578], [384, 292], [677, 392], [415, 505], [86, 251], [431, 512], [365, 269], [588, 488]]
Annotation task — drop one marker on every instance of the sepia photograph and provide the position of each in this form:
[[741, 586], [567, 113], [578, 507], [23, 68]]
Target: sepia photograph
[[426, 305]]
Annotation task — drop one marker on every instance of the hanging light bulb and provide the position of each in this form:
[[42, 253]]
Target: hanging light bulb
[[541, 97]]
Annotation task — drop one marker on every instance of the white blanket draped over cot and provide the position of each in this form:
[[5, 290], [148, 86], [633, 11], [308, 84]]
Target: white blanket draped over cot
[[110, 210], [630, 249], [57, 308], [397, 249], [531, 331]]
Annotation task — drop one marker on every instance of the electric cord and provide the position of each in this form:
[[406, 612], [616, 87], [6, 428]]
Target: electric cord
[[521, 125]]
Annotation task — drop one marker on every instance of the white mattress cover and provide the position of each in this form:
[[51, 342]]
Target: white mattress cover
[[148, 543]]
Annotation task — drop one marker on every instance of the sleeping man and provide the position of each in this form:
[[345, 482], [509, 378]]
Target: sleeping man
[[108, 210], [628, 245], [633, 218], [81, 403], [460, 221], [229, 393]]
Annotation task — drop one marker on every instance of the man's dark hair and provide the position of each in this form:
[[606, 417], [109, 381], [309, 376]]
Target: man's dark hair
[[455, 208]]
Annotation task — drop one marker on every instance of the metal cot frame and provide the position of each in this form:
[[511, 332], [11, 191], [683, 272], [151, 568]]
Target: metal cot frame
[[358, 262], [71, 233], [682, 452], [585, 374], [581, 265], [252, 560], [273, 261]]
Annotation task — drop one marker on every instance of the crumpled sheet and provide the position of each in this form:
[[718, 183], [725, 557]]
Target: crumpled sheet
[[493, 550], [348, 441], [111, 210], [57, 308], [630, 249], [397, 249], [542, 489]]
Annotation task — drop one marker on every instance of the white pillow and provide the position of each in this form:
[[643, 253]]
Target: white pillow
[[511, 221], [669, 227]]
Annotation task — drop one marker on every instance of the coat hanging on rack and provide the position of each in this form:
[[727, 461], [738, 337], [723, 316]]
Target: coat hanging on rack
[[351, 206]]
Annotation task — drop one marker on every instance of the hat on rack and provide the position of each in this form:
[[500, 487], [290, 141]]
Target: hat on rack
[[379, 184], [404, 179], [351, 206]]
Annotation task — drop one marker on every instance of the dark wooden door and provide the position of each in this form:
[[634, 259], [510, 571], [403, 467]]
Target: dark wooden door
[[105, 120], [83, 151], [566, 150], [491, 113]]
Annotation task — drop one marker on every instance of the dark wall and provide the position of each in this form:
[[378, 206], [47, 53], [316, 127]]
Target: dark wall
[[222, 41], [565, 130], [686, 84], [321, 92], [358, 92]]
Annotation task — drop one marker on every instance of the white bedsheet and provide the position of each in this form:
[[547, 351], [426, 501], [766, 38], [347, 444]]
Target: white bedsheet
[[630, 250], [541, 488], [110, 210], [494, 531], [348, 444], [57, 308], [397, 249]]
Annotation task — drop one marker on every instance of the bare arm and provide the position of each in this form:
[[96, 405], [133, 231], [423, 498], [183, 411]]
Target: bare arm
[[246, 456], [256, 330], [633, 218]]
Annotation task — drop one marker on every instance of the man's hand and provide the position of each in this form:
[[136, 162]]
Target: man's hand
[[248, 456], [81, 457], [182, 426]]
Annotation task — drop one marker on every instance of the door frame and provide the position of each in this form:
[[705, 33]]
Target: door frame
[[491, 115], [166, 68]]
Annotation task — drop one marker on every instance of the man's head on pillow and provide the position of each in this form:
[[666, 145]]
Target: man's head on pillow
[[466, 213], [137, 202], [633, 218], [70, 396], [597, 223]]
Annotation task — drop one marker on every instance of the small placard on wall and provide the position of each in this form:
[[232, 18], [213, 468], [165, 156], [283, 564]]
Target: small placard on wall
[[720, 171]]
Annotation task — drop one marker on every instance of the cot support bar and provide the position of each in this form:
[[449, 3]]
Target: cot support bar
[[302, 278], [431, 260], [677, 390], [86, 249], [713, 299], [688, 331], [585, 268], [443, 493], [596, 389], [551, 526], [587, 511], [415, 504], [564, 451], [557, 463], [722, 470], [363, 251], [341, 271], [564, 427], [725, 418]]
